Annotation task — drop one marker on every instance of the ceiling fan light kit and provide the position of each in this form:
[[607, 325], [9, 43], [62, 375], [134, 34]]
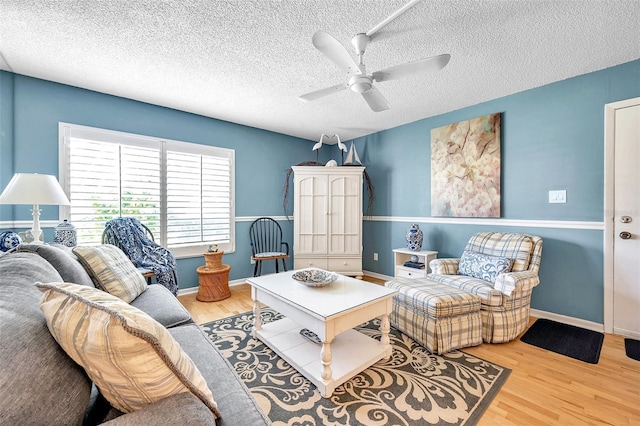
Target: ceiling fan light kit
[[360, 83], [357, 78]]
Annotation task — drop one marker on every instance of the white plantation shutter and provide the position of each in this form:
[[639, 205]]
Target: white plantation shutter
[[198, 198], [216, 199], [108, 180], [183, 192], [184, 198]]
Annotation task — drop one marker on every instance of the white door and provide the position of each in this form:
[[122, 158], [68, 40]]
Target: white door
[[626, 221]]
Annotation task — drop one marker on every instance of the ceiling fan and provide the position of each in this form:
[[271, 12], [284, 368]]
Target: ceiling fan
[[357, 78]]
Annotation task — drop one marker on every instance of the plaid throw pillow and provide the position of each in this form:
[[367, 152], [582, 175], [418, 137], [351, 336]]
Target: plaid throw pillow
[[131, 357], [112, 271], [483, 266]]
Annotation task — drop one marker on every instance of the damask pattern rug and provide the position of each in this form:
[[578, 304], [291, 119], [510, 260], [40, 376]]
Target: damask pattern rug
[[413, 387]]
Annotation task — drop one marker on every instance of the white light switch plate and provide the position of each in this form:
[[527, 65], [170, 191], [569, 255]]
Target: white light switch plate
[[558, 196]]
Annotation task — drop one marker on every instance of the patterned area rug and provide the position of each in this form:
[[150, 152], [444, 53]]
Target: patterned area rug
[[413, 387]]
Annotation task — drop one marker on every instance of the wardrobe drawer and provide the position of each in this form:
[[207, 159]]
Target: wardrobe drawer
[[310, 262], [345, 264]]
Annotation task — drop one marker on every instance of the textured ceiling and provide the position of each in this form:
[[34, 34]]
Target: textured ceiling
[[248, 61]]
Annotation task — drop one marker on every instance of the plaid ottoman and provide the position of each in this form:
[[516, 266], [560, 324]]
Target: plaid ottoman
[[437, 316]]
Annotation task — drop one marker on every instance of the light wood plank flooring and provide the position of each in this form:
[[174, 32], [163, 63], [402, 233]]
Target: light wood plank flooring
[[544, 388]]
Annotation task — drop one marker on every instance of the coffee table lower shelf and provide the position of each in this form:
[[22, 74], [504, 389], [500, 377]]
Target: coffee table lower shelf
[[351, 353]]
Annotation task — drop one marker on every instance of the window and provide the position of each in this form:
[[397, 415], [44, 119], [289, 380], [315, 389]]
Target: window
[[182, 192]]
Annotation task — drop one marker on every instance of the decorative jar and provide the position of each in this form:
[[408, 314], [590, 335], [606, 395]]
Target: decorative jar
[[414, 238], [65, 234], [9, 240]]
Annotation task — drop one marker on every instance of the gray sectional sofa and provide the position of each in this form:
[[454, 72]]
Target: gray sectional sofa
[[41, 385]]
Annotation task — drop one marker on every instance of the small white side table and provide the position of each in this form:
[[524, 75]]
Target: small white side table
[[402, 255]]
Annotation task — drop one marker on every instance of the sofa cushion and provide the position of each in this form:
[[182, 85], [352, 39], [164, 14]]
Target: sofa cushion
[[112, 271], [183, 409], [132, 358], [65, 262], [518, 247], [39, 383], [489, 296], [160, 304], [483, 266], [236, 401]]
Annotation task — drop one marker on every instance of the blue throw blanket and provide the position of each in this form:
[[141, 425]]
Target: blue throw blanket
[[128, 234]]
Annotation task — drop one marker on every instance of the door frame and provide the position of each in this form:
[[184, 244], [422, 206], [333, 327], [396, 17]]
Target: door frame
[[609, 205]]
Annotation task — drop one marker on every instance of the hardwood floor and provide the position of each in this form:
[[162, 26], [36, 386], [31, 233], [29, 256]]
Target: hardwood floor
[[544, 388]]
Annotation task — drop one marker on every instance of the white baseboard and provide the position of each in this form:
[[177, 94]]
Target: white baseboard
[[193, 290], [377, 275], [626, 333], [589, 325]]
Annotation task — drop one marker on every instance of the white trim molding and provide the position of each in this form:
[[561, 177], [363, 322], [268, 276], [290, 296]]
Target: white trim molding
[[577, 322], [16, 224], [377, 275], [193, 290], [252, 218], [27, 224], [562, 224]]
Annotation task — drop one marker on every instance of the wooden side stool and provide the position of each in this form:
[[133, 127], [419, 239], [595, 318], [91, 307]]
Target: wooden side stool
[[213, 278]]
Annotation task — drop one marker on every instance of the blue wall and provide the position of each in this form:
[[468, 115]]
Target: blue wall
[[32, 109], [552, 138], [6, 134]]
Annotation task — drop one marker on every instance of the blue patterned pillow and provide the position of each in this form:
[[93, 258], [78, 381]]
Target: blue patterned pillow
[[483, 266]]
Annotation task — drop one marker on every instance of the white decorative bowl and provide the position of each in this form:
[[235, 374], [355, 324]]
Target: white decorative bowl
[[315, 277]]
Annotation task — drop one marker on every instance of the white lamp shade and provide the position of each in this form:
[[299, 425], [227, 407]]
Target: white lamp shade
[[33, 188]]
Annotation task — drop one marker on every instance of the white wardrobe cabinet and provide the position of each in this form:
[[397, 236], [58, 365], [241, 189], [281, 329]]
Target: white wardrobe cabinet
[[327, 218]]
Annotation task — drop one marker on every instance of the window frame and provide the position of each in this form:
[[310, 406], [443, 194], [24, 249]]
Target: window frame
[[66, 131]]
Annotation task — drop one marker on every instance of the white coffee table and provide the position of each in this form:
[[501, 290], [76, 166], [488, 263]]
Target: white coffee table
[[330, 312]]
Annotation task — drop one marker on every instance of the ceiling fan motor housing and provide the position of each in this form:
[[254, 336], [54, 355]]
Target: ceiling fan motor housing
[[360, 83], [360, 43]]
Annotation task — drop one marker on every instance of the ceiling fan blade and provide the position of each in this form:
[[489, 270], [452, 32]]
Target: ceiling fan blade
[[312, 96], [336, 52], [376, 101], [393, 16], [432, 64]]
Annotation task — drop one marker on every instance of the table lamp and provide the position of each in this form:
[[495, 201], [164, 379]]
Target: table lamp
[[36, 189]]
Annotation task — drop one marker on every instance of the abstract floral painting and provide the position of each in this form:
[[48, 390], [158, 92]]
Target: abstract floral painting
[[465, 168]]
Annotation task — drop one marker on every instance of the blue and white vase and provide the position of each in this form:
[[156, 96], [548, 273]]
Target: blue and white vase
[[65, 234], [414, 238], [9, 240]]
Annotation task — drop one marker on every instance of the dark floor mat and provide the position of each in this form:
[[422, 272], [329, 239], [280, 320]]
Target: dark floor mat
[[632, 348], [564, 339]]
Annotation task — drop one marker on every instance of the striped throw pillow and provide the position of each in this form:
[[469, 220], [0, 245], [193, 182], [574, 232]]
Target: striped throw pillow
[[131, 357], [112, 271]]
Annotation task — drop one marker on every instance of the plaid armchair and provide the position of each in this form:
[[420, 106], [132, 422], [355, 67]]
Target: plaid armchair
[[501, 268]]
